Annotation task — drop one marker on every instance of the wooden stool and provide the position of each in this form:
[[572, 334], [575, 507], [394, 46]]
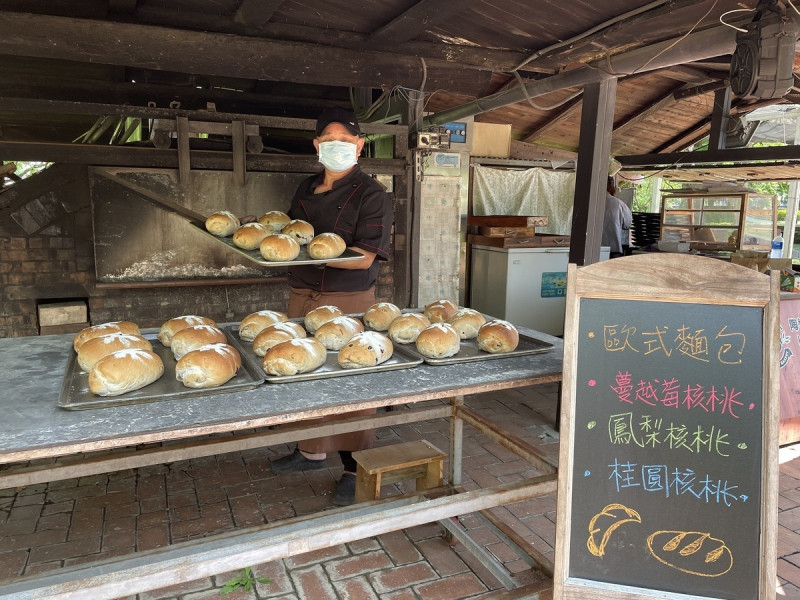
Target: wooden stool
[[419, 460]]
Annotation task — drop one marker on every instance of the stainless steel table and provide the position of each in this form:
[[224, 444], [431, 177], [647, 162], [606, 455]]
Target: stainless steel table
[[34, 427]]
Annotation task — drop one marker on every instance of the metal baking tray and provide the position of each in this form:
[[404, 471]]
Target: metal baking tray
[[470, 352], [75, 394], [401, 359], [255, 255]]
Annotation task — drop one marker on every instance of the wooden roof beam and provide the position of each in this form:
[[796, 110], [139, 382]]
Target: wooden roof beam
[[417, 19], [256, 13], [568, 110]]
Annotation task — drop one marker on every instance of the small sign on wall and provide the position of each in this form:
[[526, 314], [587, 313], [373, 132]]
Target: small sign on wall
[[447, 159]]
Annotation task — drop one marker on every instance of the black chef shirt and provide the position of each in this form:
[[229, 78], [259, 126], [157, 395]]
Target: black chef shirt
[[359, 210]]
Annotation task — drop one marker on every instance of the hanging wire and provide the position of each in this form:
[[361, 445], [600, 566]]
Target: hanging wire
[[538, 106], [725, 14]]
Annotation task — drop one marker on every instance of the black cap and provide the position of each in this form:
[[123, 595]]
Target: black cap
[[336, 114]]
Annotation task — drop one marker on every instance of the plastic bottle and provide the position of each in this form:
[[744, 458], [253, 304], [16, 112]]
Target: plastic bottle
[[777, 246]]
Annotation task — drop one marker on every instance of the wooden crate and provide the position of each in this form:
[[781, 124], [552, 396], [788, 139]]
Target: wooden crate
[[513, 232], [536, 241], [507, 221]]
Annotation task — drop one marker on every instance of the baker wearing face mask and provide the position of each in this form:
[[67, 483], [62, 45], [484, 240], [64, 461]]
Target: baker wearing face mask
[[345, 200]]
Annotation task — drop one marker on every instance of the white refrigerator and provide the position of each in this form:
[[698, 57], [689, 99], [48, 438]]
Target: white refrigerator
[[525, 286]]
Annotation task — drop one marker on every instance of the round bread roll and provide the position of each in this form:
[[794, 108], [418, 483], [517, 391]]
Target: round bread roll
[[222, 223], [173, 326], [466, 322], [365, 349], [406, 328], [338, 331], [317, 317], [302, 231], [103, 329], [498, 336], [96, 348], [250, 235], [294, 357], [379, 316], [208, 366], [274, 220], [276, 333], [191, 338], [440, 311], [326, 245], [124, 371], [255, 322], [279, 246], [440, 340]]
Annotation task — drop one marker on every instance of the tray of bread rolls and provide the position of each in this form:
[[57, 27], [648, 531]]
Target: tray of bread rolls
[[326, 343], [76, 392], [283, 252]]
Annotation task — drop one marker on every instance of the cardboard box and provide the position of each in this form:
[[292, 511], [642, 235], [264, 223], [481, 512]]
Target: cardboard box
[[790, 281], [491, 139]]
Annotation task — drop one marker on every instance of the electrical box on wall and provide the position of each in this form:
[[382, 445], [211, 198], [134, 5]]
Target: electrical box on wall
[[430, 138]]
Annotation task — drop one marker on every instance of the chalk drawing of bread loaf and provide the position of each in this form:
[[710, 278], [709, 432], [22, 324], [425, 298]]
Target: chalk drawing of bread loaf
[[605, 523], [691, 552]]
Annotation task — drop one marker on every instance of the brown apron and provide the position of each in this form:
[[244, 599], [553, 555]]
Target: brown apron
[[300, 302]]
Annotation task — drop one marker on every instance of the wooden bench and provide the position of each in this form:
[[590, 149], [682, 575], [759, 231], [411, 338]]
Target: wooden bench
[[381, 466]]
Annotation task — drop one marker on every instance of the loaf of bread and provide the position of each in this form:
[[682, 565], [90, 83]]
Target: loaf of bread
[[222, 223], [253, 323], [365, 349], [275, 334], [279, 247], [191, 338], [379, 316], [102, 329], [124, 371], [440, 311], [274, 220], [338, 331], [250, 235], [440, 340], [466, 322], [96, 348], [326, 246], [208, 366], [498, 336], [302, 231], [317, 317], [294, 357], [173, 326], [406, 328]]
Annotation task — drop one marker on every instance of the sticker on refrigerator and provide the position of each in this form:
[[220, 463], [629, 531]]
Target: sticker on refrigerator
[[554, 284]]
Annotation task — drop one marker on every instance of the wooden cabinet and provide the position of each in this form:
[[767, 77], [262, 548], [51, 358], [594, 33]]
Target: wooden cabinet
[[719, 220]]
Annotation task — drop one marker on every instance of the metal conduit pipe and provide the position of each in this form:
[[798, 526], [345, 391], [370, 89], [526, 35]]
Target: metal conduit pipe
[[709, 43]]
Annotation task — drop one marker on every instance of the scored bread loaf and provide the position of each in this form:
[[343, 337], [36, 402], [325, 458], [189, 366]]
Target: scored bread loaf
[[222, 223], [191, 338], [317, 317], [102, 329], [174, 325], [326, 246], [279, 246], [124, 371], [208, 366], [302, 231], [498, 336], [96, 348], [440, 340], [466, 322], [294, 357], [253, 323], [338, 331], [406, 328], [379, 316], [274, 220], [250, 235], [365, 349], [440, 311], [276, 333]]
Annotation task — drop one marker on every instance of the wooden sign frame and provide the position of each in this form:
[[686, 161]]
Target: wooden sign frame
[[667, 278]]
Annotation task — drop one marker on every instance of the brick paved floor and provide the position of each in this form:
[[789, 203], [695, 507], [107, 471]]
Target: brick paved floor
[[63, 523]]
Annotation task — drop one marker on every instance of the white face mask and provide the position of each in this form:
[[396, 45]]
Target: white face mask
[[338, 156]]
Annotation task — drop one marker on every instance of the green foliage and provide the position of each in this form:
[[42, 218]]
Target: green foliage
[[246, 580], [26, 169]]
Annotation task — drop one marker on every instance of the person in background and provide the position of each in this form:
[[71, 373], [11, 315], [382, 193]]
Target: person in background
[[616, 221], [346, 201]]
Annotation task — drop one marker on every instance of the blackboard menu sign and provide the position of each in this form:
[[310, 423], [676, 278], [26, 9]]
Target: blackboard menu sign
[[665, 467]]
